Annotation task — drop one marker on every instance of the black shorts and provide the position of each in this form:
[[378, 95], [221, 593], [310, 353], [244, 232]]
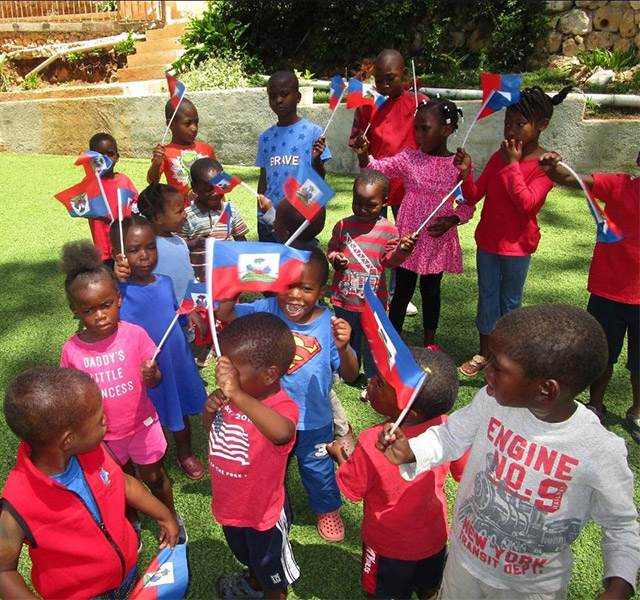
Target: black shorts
[[267, 553], [384, 577], [617, 320]]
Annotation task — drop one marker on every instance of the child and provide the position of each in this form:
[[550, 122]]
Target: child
[[205, 212], [281, 147], [362, 246], [322, 343], [251, 422], [65, 498], [428, 175], [175, 159], [118, 357], [540, 464], [507, 233], [398, 559], [111, 181], [614, 278], [148, 300]]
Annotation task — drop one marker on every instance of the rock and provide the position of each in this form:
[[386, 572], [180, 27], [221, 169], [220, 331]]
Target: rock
[[459, 38], [607, 18], [570, 48], [559, 5], [478, 40], [622, 44], [637, 41], [554, 41], [634, 4], [591, 5], [627, 75], [601, 77], [627, 24], [576, 22], [601, 40]]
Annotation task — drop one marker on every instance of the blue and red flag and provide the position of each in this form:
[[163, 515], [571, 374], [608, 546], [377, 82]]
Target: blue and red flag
[[224, 182], [363, 94], [177, 90], [94, 163], [126, 197], [498, 91], [607, 231], [307, 191], [195, 298], [457, 194], [84, 200], [391, 355], [336, 89], [225, 217], [166, 577], [252, 267]]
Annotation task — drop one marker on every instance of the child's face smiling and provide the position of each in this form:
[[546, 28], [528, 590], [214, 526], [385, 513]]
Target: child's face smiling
[[431, 134], [300, 301], [283, 100], [141, 252], [172, 218], [206, 194], [184, 128], [110, 150], [367, 201], [389, 76], [97, 305]]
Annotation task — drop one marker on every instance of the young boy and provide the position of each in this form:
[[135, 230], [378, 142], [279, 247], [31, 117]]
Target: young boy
[[66, 496], [614, 278], [540, 465], [361, 247], [399, 559], [175, 159], [111, 181], [251, 423], [284, 145], [322, 344]]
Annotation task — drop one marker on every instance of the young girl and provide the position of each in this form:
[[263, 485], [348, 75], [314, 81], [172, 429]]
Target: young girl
[[428, 175], [149, 301], [117, 356], [507, 233]]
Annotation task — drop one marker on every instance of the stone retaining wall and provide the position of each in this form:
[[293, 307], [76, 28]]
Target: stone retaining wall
[[232, 120]]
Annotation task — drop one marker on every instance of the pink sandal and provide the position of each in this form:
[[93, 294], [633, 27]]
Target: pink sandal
[[472, 367], [330, 526]]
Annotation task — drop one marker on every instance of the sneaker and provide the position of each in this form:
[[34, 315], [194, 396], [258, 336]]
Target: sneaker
[[183, 536], [412, 310], [363, 395], [330, 526], [633, 422], [137, 527]]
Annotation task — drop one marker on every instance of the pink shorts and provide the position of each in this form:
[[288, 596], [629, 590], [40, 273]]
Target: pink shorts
[[143, 447]]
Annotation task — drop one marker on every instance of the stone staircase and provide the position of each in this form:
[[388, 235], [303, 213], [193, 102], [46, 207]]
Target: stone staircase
[[155, 55]]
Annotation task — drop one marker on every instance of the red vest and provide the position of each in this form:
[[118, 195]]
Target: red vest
[[73, 555]]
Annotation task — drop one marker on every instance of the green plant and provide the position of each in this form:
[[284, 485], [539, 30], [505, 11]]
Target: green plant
[[126, 46], [455, 63], [217, 73], [617, 60], [6, 79], [107, 5], [72, 57], [307, 75], [31, 82]]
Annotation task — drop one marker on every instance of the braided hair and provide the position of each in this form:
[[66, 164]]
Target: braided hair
[[535, 105], [446, 110], [153, 200]]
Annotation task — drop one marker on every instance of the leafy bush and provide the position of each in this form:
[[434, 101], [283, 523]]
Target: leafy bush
[[218, 73], [126, 46], [617, 60], [6, 79], [31, 82]]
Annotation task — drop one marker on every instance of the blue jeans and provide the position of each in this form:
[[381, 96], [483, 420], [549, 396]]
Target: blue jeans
[[500, 284], [357, 339]]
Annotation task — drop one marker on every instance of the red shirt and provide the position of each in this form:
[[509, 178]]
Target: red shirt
[[615, 268], [390, 133], [514, 194], [100, 229], [406, 520], [247, 469]]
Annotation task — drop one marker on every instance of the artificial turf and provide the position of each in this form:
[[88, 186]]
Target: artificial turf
[[36, 321]]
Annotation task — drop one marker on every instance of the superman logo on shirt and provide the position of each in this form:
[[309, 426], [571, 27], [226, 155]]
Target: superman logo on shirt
[[306, 348]]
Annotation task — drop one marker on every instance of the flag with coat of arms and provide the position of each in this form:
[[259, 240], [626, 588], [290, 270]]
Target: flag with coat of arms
[[166, 577], [307, 191]]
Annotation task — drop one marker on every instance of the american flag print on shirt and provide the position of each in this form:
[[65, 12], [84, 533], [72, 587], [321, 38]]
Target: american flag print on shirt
[[229, 440]]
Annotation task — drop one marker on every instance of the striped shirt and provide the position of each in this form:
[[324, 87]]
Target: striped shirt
[[370, 248]]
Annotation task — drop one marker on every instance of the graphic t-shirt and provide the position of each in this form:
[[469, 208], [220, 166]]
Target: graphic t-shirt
[[177, 163], [114, 364], [310, 375], [247, 469]]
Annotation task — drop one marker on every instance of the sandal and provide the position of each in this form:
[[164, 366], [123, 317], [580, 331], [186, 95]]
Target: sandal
[[237, 586], [472, 367], [192, 467], [633, 422], [347, 441], [330, 526]]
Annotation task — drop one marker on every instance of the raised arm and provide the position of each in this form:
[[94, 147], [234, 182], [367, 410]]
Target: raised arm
[[548, 162]]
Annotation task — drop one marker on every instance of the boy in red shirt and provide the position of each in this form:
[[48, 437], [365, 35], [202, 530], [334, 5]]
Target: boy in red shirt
[[175, 159], [398, 560], [251, 423], [66, 496], [614, 278]]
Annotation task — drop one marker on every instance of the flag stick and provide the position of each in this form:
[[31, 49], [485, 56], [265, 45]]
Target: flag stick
[[297, 233], [333, 113], [104, 195], [165, 336], [366, 130], [577, 177], [255, 192], [212, 319], [120, 221], [435, 210], [407, 408], [484, 105], [415, 81], [175, 112]]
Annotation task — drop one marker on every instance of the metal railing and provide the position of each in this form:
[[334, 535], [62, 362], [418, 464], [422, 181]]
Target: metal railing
[[81, 10]]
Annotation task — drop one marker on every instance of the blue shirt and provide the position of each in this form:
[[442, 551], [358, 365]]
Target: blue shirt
[[74, 479], [281, 150], [310, 376], [174, 262]]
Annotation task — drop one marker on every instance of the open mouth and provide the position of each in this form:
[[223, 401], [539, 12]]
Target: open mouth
[[293, 311]]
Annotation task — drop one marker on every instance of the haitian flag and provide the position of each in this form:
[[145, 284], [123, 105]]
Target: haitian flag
[[224, 183], [393, 359], [94, 162], [336, 89], [166, 577], [252, 267], [608, 231], [363, 94], [194, 298], [84, 200], [498, 92], [307, 191], [177, 90], [456, 192], [126, 197], [225, 217]]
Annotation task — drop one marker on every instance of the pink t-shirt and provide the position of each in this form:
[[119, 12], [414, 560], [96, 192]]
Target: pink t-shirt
[[114, 364], [247, 469]]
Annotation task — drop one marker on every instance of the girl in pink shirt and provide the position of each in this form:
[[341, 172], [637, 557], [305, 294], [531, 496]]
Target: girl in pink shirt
[[514, 188]]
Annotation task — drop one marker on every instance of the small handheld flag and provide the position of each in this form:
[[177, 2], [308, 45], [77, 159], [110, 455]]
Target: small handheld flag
[[336, 90], [391, 355], [94, 162], [307, 191], [363, 94], [166, 577], [225, 218], [177, 90], [194, 298], [456, 192], [84, 200], [224, 182]]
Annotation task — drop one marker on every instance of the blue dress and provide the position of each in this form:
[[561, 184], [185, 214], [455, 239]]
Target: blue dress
[[181, 391]]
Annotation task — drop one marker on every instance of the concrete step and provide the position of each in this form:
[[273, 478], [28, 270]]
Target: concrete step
[[159, 44], [174, 30], [150, 71], [154, 58]]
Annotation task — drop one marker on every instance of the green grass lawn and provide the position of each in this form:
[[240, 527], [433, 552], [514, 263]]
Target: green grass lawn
[[36, 321]]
